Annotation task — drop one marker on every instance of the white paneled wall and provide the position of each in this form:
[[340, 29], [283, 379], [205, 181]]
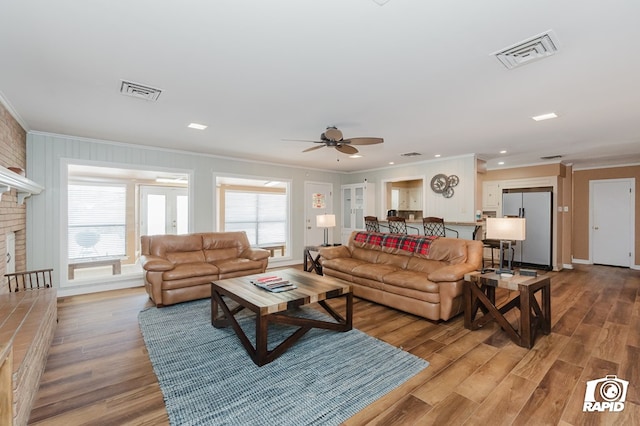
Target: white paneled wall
[[48, 155]]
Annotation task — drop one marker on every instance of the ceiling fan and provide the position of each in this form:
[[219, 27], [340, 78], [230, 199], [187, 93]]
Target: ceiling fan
[[332, 137]]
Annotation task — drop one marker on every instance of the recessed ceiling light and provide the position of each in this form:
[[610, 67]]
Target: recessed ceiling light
[[197, 126], [500, 163], [545, 116], [437, 155], [503, 151], [391, 162], [355, 156]]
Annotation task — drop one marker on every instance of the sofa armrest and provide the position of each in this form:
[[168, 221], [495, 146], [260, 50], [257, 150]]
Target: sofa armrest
[[451, 272], [255, 253], [334, 252], [155, 263]]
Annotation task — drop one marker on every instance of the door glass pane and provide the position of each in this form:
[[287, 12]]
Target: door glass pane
[[182, 214], [346, 208], [156, 214], [359, 208]]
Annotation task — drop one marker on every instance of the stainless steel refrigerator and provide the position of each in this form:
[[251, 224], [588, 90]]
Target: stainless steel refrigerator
[[535, 205]]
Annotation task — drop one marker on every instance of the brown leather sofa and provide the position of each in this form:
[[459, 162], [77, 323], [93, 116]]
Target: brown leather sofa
[[179, 268], [416, 274]]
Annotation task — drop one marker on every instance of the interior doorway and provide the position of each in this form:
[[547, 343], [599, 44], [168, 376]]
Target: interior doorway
[[318, 199], [612, 221]]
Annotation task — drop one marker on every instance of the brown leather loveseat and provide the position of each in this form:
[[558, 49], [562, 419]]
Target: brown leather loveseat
[[178, 268], [416, 274]]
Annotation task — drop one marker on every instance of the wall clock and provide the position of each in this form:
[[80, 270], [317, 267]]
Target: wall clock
[[443, 184]]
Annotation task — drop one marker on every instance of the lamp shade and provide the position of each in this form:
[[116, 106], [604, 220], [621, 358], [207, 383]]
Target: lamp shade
[[506, 228], [326, 220]]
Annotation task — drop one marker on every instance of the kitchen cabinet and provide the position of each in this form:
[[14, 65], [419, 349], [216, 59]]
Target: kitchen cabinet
[[358, 201], [415, 198], [410, 199]]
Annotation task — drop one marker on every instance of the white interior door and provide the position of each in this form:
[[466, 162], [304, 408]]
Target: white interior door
[[164, 210], [612, 217], [318, 199]]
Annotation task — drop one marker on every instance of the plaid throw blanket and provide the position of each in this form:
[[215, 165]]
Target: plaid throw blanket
[[413, 243]]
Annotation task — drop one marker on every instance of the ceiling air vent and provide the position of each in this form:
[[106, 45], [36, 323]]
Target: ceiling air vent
[[410, 154], [140, 91], [551, 157], [538, 47]]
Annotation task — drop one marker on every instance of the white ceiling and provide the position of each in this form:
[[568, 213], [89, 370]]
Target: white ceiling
[[420, 74]]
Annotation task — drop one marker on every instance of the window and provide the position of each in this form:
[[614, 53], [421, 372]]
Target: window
[[97, 225], [106, 212], [261, 215], [259, 207]]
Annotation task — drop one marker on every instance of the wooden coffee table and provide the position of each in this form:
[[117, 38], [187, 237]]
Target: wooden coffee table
[[272, 308]]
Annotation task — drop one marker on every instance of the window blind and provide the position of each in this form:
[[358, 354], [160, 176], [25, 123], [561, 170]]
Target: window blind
[[96, 221], [262, 215]]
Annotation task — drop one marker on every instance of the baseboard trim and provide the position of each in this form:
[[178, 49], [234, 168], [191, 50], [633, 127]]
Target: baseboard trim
[[581, 261]]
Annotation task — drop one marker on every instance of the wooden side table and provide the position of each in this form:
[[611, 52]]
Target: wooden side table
[[312, 263], [479, 293]]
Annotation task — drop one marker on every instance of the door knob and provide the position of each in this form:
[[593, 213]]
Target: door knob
[[596, 228]]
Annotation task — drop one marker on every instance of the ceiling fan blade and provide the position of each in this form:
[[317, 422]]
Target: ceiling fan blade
[[313, 148], [364, 141], [300, 140], [346, 149]]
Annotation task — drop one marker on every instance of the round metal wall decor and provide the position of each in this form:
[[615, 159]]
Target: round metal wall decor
[[443, 184]]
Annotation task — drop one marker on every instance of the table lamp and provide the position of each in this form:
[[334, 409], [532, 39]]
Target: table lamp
[[326, 221], [505, 229]]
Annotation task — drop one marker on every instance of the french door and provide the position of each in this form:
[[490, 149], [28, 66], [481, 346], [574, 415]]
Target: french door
[[164, 210]]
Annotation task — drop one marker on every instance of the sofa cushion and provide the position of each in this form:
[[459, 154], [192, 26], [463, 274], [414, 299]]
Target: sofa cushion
[[183, 257], [369, 256], [223, 245], [344, 264], [234, 265], [186, 270], [425, 266], [204, 280], [395, 260], [412, 293], [410, 279], [373, 271], [160, 245], [451, 250]]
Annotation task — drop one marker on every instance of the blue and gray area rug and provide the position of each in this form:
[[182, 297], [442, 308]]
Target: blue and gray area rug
[[207, 378]]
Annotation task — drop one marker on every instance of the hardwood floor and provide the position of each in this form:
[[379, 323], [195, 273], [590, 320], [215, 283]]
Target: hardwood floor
[[98, 371]]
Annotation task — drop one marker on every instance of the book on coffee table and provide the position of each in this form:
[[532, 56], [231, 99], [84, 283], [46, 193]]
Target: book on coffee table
[[273, 284]]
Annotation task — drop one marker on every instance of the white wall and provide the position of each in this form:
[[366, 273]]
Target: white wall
[[459, 208], [47, 152]]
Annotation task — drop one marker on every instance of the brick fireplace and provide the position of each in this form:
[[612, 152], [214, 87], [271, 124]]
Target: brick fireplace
[[13, 216]]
